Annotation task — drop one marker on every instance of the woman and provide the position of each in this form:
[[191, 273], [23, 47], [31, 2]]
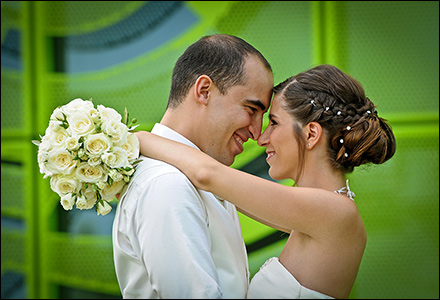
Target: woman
[[321, 127]]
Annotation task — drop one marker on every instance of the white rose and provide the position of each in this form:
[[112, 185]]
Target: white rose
[[90, 196], [81, 203], [94, 114], [66, 185], [45, 144], [91, 202], [72, 143], [109, 192], [129, 172], [77, 105], [58, 138], [116, 159], [82, 154], [89, 193], [54, 126], [67, 201], [103, 208], [57, 114], [116, 130], [60, 161], [115, 175], [53, 183], [131, 147], [43, 156], [108, 113], [80, 123], [94, 161], [97, 144], [87, 173], [101, 184]]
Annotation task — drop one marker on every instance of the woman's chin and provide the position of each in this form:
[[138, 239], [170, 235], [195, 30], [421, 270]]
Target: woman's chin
[[274, 175]]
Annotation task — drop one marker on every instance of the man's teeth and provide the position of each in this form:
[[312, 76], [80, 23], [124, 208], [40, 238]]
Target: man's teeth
[[238, 140]]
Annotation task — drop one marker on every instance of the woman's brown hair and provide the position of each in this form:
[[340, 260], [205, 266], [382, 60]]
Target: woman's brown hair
[[356, 134]]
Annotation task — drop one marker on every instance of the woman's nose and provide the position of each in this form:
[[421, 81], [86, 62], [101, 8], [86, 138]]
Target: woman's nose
[[263, 140]]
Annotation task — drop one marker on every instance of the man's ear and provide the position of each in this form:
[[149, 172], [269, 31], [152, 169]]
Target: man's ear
[[202, 89], [313, 134]]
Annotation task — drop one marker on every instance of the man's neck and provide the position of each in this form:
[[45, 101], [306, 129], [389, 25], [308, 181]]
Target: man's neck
[[178, 121]]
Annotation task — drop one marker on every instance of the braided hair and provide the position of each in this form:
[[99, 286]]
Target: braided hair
[[356, 134]]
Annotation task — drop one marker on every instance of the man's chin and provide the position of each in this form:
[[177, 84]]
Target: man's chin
[[227, 160]]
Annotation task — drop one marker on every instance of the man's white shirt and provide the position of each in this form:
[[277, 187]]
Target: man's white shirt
[[171, 240]]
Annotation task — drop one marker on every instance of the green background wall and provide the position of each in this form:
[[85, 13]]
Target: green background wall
[[121, 54]]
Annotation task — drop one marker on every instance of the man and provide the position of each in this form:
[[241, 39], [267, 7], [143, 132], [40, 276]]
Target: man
[[171, 240]]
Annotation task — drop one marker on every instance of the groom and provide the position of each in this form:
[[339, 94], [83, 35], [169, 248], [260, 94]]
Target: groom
[[171, 240]]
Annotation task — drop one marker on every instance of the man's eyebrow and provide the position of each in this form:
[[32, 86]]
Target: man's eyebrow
[[256, 103]]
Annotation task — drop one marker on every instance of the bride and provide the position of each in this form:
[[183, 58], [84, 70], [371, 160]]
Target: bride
[[321, 127]]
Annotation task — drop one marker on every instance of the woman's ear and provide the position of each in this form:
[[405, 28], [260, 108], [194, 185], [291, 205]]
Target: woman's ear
[[202, 89], [313, 134]]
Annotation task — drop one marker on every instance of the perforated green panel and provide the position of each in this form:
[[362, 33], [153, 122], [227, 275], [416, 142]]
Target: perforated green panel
[[393, 50], [121, 54], [399, 205], [82, 262]]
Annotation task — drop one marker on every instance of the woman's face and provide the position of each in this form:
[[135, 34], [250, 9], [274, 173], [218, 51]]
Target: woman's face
[[281, 145]]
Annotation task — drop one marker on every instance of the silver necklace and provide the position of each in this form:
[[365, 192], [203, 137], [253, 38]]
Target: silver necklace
[[346, 191]]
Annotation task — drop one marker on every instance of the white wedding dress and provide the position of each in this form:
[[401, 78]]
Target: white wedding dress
[[274, 281]]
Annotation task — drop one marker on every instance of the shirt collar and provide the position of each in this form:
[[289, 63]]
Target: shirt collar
[[169, 133]]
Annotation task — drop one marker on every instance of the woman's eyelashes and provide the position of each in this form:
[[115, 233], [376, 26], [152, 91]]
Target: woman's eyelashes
[[272, 122]]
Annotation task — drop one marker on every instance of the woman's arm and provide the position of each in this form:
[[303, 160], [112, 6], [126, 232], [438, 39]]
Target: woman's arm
[[308, 210]]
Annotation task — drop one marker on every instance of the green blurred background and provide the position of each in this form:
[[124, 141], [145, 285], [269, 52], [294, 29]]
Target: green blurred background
[[121, 54]]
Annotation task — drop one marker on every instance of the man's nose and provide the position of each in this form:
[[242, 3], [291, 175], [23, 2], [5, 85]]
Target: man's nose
[[255, 129]]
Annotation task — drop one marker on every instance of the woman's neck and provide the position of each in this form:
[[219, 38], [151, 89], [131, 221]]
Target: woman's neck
[[321, 176]]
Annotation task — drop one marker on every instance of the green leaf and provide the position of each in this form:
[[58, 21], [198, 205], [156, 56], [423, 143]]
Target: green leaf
[[65, 125], [136, 162], [125, 116], [132, 122]]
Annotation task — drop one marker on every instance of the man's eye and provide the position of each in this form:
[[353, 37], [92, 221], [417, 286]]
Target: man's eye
[[253, 109]]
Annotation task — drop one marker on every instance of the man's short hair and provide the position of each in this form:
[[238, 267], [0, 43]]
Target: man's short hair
[[221, 57]]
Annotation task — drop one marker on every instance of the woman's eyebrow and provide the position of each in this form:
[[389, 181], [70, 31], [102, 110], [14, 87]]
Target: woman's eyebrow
[[272, 116]]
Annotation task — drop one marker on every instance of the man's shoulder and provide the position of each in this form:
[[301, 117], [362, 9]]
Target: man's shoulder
[[154, 177], [160, 184], [149, 169]]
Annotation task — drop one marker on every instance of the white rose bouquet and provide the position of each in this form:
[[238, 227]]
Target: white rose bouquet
[[89, 154]]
